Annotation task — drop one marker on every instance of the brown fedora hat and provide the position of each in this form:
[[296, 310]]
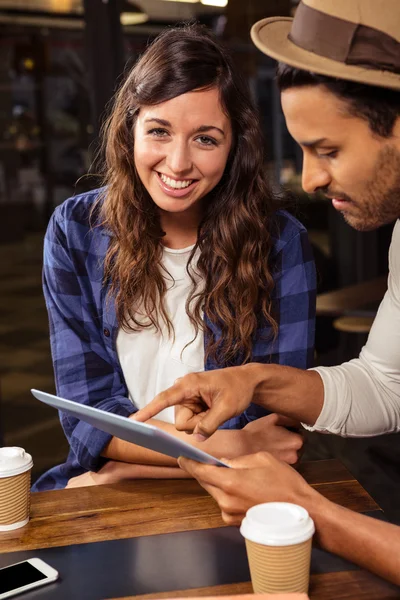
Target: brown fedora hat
[[357, 40]]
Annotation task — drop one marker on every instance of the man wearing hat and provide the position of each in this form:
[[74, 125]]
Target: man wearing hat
[[339, 76]]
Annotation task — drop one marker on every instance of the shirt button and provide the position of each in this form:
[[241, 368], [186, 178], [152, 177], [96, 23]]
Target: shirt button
[[106, 332]]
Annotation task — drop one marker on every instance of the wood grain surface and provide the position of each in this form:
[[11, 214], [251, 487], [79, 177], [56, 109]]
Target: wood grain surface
[[357, 585], [151, 507]]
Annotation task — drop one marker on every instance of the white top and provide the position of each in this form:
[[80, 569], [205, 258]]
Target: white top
[[362, 396], [151, 361]]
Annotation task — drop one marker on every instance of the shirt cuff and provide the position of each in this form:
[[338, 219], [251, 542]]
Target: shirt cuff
[[328, 415]]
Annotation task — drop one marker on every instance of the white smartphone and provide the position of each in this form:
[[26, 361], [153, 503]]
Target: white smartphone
[[25, 576]]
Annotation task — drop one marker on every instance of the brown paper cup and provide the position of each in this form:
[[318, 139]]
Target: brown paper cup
[[15, 501], [278, 538], [279, 569]]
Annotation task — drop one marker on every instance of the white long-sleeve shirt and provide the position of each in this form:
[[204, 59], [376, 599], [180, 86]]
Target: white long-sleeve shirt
[[362, 396]]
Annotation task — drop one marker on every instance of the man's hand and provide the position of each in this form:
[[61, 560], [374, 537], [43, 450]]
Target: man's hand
[[228, 391], [253, 479], [206, 400], [258, 478]]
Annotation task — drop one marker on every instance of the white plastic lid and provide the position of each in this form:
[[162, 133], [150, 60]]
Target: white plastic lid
[[277, 524], [13, 461]]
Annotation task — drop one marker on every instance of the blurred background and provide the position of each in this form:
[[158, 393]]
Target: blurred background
[[60, 63]]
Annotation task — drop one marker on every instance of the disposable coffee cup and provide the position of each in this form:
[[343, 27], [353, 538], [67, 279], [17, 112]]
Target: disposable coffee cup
[[278, 539], [15, 485]]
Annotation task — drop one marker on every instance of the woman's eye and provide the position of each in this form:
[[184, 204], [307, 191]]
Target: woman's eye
[[207, 141], [158, 132]]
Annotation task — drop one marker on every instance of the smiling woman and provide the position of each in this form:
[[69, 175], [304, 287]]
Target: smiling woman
[[182, 262], [181, 150]]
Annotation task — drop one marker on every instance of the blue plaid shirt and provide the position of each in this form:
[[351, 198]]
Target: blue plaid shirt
[[83, 325]]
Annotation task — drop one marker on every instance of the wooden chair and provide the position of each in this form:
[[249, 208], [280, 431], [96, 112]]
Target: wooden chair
[[354, 324], [366, 295], [355, 308], [354, 330]]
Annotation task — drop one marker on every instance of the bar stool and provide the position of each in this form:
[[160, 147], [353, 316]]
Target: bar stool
[[354, 333], [356, 324]]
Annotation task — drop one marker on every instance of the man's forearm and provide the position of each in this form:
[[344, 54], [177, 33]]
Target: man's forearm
[[368, 542], [288, 391]]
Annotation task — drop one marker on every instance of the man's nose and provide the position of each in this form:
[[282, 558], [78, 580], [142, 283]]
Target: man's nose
[[179, 159], [314, 176]]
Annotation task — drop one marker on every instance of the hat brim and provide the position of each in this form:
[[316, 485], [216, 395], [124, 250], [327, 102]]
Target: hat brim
[[271, 37]]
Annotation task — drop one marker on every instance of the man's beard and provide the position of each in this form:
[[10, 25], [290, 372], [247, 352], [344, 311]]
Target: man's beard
[[380, 202]]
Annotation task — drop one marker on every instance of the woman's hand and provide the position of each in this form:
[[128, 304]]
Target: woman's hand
[[253, 479], [270, 434], [114, 472]]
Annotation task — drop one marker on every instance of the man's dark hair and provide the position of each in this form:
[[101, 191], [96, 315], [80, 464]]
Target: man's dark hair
[[379, 106]]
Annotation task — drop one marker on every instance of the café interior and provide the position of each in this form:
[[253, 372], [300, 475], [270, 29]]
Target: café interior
[[60, 64]]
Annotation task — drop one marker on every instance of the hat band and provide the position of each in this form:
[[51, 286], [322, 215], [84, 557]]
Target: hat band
[[343, 41]]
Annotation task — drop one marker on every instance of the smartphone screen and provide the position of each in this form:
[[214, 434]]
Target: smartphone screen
[[18, 576]]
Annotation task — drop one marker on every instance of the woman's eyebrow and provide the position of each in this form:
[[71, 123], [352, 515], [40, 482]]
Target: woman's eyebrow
[[204, 128], [159, 121], [201, 129]]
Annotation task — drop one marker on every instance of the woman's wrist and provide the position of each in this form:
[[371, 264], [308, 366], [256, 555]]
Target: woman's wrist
[[227, 443]]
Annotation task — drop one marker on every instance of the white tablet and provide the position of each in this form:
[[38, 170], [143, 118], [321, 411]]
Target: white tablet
[[141, 434]]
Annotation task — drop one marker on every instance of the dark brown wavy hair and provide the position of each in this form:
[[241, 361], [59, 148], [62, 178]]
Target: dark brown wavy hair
[[234, 235]]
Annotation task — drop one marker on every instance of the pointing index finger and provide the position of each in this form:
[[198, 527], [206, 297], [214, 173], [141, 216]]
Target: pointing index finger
[[169, 397]]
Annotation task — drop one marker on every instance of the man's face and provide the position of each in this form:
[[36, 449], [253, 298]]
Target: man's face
[[343, 158]]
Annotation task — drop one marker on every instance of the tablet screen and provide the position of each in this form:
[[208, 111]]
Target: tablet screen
[[142, 434]]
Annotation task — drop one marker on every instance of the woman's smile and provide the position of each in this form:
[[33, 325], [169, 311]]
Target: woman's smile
[[176, 188]]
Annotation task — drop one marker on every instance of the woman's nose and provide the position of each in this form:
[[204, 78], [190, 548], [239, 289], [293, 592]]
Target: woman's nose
[[179, 159]]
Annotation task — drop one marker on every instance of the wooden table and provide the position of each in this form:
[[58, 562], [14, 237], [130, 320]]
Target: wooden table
[[65, 518]]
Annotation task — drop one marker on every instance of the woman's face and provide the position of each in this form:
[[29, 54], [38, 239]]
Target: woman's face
[[181, 149]]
